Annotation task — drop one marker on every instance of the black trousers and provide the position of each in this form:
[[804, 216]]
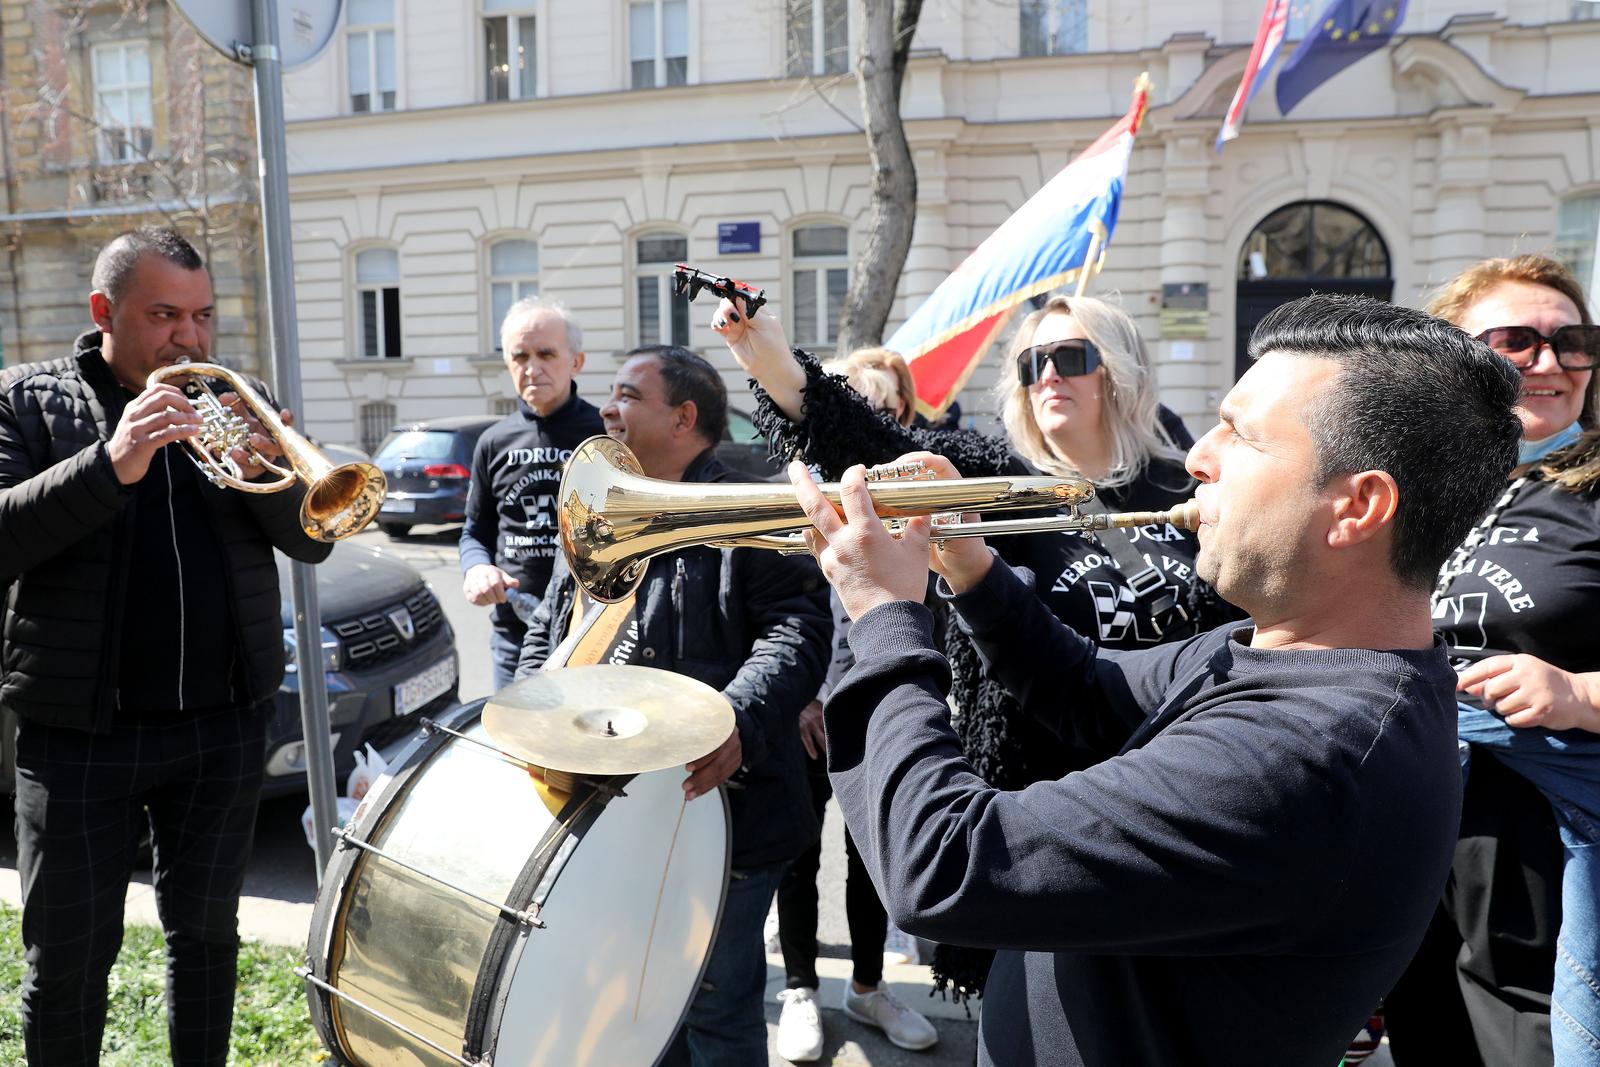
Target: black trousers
[[1477, 994], [797, 905], [80, 812]]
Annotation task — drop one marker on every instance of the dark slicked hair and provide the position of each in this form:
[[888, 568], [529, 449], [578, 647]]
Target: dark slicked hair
[[114, 265], [690, 377], [1415, 397]]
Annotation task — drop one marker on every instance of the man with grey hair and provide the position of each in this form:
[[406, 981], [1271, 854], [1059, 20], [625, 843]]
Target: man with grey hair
[[509, 540]]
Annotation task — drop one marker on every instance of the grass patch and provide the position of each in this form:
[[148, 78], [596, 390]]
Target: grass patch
[[270, 1025]]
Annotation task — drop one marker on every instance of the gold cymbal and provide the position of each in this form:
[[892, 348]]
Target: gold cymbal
[[608, 719]]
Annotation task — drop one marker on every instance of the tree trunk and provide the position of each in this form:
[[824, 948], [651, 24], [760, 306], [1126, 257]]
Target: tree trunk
[[886, 28]]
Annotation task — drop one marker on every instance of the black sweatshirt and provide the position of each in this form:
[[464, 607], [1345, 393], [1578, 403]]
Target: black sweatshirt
[[1243, 879], [511, 500]]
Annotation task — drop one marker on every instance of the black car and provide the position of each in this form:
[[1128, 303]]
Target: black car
[[429, 465], [388, 653], [745, 450]]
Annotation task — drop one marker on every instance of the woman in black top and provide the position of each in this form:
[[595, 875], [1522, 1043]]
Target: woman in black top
[[1078, 400], [1517, 605]]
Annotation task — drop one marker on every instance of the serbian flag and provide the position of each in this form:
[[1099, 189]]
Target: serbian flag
[[1269, 38], [1060, 233]]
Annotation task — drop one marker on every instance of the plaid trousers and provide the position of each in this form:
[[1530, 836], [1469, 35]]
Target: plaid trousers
[[81, 808]]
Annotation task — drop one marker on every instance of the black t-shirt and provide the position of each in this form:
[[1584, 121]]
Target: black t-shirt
[[1079, 577], [511, 501], [1532, 585]]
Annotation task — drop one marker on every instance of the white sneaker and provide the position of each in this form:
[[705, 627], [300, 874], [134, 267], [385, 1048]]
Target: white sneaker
[[900, 947], [881, 1008], [800, 1026], [769, 931]]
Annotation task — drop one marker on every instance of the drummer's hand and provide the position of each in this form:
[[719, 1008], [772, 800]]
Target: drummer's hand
[[812, 735], [710, 771], [865, 564], [960, 561]]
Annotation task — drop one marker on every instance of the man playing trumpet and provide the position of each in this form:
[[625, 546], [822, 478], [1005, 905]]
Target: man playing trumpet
[[142, 647], [1257, 852]]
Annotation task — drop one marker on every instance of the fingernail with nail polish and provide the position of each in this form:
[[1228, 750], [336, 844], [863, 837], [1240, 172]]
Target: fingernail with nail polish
[[734, 315]]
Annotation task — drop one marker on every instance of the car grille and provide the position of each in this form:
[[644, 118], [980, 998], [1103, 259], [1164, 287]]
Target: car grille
[[375, 638]]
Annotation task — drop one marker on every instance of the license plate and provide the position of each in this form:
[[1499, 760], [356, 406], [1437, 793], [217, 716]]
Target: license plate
[[414, 692], [391, 504]]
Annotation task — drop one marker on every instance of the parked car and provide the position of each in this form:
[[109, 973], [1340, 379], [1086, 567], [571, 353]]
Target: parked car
[[429, 465], [388, 653], [745, 450]]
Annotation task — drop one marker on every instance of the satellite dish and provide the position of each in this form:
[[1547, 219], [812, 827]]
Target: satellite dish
[[304, 26]]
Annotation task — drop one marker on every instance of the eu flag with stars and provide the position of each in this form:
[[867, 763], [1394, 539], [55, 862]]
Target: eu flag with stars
[[1347, 31]]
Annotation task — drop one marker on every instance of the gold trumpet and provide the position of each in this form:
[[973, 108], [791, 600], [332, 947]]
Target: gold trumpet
[[613, 519], [339, 501]]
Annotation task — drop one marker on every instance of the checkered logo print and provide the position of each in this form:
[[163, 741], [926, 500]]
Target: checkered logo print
[[1113, 607]]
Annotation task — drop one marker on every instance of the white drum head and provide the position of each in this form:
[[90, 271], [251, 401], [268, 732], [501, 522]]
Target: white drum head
[[628, 925]]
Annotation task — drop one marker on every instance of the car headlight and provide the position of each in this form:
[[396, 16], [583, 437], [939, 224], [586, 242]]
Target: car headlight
[[330, 652]]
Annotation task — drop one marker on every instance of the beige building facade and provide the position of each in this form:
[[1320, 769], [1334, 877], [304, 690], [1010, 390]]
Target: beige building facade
[[446, 157], [114, 116]]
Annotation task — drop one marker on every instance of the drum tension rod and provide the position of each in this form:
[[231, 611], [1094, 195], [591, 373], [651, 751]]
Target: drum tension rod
[[310, 978], [345, 838], [599, 785]]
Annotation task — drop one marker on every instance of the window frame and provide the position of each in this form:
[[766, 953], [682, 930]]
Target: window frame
[[1563, 244], [691, 44], [819, 53], [370, 30], [528, 9], [358, 305], [491, 279], [661, 270], [105, 134], [820, 265]]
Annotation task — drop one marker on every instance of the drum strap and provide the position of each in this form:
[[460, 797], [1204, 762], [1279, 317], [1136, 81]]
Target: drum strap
[[591, 633]]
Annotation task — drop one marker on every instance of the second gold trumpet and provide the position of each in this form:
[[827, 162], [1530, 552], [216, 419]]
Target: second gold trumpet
[[614, 519]]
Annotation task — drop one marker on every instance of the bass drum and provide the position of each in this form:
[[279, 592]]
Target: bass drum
[[473, 916]]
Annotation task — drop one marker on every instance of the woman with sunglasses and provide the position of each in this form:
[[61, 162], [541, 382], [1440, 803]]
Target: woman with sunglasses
[[1517, 604], [1078, 400]]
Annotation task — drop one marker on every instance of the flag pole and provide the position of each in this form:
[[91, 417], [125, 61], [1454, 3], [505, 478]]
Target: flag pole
[[1089, 257]]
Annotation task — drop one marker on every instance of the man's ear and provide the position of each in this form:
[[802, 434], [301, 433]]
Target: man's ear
[[577, 362], [1364, 505], [687, 417], [100, 310]]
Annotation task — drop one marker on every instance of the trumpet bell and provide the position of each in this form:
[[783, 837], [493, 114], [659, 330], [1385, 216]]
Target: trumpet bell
[[341, 502]]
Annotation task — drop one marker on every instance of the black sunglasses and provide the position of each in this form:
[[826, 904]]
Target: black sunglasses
[[1071, 358], [1576, 347]]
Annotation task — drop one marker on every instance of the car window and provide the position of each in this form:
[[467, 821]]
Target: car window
[[416, 444], [741, 429]]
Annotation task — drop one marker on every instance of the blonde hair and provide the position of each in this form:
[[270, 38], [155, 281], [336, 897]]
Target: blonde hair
[[878, 374], [1128, 402]]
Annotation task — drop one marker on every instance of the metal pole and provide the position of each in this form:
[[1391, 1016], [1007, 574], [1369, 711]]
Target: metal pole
[[284, 341]]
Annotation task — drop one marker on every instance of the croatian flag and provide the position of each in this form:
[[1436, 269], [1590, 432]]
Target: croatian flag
[[1269, 38], [1047, 243]]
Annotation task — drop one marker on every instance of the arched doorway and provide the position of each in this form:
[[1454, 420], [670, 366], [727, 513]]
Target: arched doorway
[[1310, 246]]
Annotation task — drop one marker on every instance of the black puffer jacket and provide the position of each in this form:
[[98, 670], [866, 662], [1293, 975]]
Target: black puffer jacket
[[65, 546], [752, 624]]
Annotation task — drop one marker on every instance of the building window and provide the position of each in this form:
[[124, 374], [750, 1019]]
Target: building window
[[377, 419], [658, 42], [378, 302], [821, 276], [663, 318], [513, 274], [1577, 239], [502, 405], [1054, 27], [819, 37], [1584, 10], [508, 56], [369, 50], [122, 101]]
